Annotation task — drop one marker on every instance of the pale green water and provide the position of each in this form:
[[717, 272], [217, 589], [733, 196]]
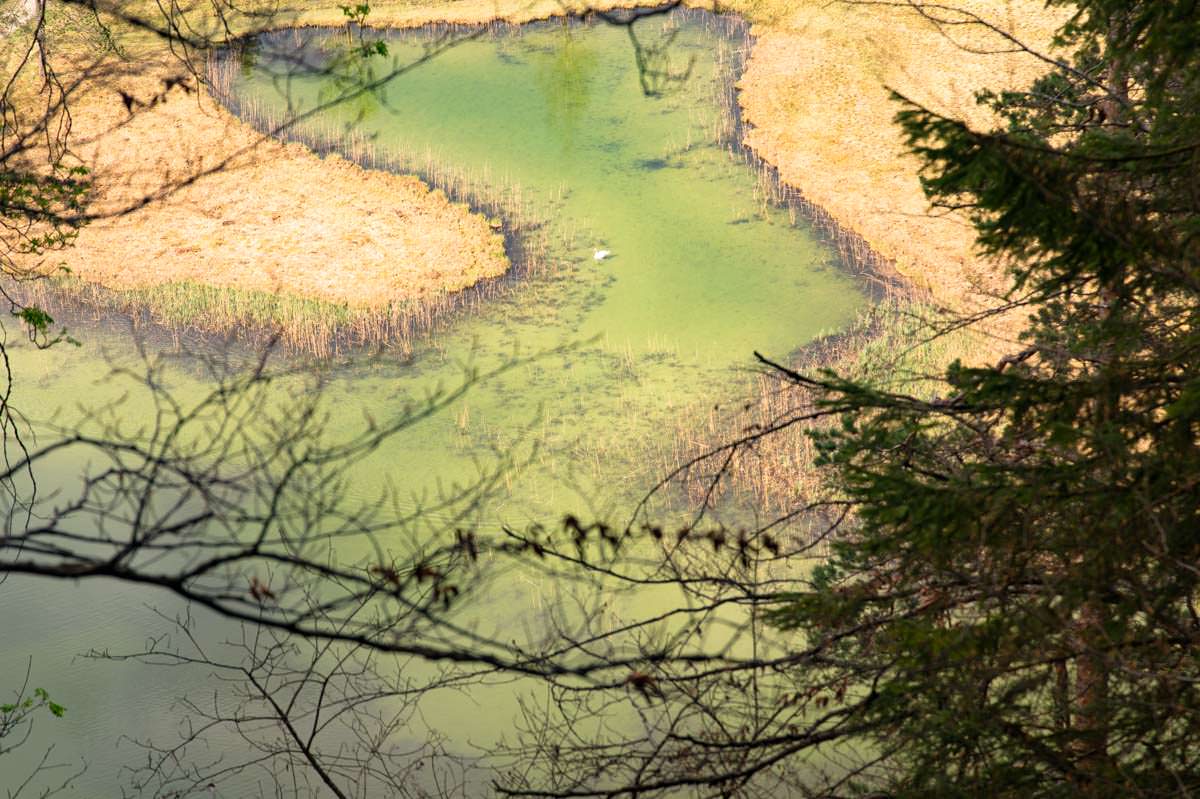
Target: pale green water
[[701, 275]]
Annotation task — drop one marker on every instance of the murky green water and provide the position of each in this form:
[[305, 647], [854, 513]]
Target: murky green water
[[701, 274]]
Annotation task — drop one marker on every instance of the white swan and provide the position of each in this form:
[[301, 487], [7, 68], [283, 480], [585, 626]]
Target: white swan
[[600, 255]]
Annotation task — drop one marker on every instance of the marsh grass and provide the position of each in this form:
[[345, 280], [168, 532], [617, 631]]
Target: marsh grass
[[323, 328], [316, 327], [302, 326], [312, 326], [892, 344]]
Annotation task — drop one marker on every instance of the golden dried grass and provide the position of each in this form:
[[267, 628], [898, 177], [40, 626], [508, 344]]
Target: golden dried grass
[[254, 214], [815, 94]]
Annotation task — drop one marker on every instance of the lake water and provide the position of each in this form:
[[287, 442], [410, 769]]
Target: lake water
[[610, 356]]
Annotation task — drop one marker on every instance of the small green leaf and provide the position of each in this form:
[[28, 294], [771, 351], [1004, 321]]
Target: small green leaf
[[39, 321]]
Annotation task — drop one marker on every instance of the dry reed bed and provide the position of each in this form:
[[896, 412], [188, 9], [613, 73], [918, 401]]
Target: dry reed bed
[[528, 242], [890, 344], [853, 184], [204, 224], [816, 95]]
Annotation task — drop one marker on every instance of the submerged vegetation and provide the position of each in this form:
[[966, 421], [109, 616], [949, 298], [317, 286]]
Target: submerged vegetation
[[760, 452]]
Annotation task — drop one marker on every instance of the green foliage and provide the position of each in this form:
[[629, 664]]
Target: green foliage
[[357, 15], [15, 715], [43, 697], [44, 209], [38, 327], [41, 210], [38, 320], [1018, 590]]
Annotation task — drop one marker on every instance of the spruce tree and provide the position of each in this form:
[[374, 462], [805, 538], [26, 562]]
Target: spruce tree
[[1017, 599]]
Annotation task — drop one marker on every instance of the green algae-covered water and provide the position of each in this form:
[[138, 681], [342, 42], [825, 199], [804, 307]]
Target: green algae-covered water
[[613, 355], [702, 271]]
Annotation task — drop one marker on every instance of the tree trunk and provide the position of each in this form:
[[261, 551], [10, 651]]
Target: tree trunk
[[1091, 701]]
